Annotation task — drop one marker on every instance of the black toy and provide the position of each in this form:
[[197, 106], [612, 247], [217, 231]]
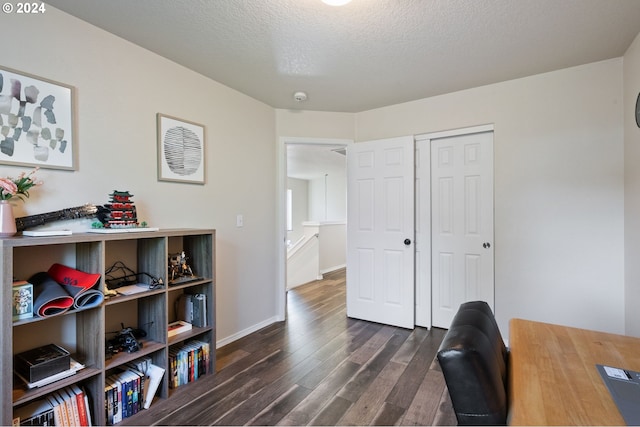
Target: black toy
[[125, 340]]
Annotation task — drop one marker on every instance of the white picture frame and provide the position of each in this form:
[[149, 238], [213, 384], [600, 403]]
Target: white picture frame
[[181, 150], [37, 117]]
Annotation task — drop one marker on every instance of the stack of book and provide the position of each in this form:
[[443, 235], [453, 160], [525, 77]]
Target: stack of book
[[188, 362], [178, 327], [66, 407], [131, 389]]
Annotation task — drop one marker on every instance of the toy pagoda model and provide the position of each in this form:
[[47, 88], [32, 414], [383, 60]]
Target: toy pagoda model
[[121, 211], [119, 216]]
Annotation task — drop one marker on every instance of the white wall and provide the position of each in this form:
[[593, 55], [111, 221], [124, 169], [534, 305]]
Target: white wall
[[314, 124], [120, 88], [333, 246], [328, 197], [632, 188], [559, 225]]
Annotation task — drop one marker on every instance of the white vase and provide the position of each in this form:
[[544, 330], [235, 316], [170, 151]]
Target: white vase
[[7, 220]]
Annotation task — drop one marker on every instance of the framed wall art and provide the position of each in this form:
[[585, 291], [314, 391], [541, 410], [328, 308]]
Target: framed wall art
[[37, 121], [180, 150]]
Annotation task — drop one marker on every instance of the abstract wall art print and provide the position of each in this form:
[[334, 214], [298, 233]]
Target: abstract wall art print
[[180, 150], [36, 121]]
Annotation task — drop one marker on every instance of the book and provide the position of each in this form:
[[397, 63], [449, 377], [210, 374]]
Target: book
[[72, 406], [141, 368], [127, 379], [38, 412], [173, 367], [40, 233], [83, 409], [117, 399], [155, 374], [86, 405], [63, 408], [188, 362], [108, 403], [178, 327], [57, 410]]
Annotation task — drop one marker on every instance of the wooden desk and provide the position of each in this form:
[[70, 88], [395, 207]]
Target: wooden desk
[[553, 379]]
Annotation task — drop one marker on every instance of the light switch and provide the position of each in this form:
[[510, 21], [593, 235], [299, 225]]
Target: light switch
[[239, 220]]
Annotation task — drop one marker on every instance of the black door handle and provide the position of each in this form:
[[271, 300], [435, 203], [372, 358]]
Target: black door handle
[[486, 245], [407, 242]]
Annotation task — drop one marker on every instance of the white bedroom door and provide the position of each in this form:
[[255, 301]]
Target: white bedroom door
[[380, 231], [462, 247]]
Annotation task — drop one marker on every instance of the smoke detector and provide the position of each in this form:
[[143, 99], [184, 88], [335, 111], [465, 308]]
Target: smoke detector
[[300, 96]]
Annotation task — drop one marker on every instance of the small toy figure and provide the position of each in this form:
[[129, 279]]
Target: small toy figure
[[125, 340], [178, 267]]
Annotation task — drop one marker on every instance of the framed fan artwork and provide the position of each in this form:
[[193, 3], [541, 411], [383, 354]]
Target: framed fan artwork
[[181, 150]]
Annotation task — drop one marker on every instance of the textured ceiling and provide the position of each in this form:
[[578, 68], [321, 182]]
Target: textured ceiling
[[369, 53]]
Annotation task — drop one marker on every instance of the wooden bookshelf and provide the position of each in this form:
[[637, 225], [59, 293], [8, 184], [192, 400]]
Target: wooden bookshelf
[[84, 332]]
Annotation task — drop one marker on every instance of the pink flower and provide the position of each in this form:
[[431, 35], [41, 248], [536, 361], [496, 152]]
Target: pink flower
[[18, 187], [7, 188]]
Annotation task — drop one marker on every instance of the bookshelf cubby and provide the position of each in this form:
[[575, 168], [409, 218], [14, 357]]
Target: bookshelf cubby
[[84, 332]]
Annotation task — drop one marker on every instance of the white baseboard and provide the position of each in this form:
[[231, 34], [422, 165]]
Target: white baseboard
[[334, 268], [245, 332]]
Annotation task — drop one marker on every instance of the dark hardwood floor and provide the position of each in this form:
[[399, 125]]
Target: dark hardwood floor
[[317, 368]]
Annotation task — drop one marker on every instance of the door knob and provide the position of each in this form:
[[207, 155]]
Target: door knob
[[407, 242], [486, 245]]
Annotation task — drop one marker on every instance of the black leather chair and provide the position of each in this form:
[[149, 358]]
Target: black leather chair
[[474, 361]]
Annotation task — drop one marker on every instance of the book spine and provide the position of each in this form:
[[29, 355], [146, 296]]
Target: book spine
[[129, 382], [86, 405], [172, 369], [63, 409], [56, 410], [117, 397], [72, 405], [82, 409], [108, 403], [126, 389], [190, 365]]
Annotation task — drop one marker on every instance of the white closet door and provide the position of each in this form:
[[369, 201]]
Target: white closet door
[[462, 223]]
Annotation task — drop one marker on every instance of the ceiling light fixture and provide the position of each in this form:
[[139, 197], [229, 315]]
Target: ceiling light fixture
[[336, 2]]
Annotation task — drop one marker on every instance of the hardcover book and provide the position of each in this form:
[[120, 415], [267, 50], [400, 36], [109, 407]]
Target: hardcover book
[[178, 327]]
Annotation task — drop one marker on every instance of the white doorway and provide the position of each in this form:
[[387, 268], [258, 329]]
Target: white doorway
[[306, 159]]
